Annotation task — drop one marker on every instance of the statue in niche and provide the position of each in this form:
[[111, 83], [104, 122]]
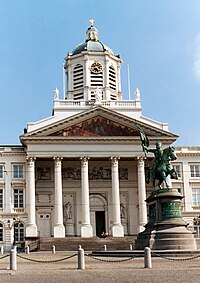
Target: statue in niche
[[122, 211], [68, 210]]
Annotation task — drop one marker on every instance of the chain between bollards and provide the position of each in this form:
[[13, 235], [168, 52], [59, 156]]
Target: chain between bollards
[[81, 258], [147, 258]]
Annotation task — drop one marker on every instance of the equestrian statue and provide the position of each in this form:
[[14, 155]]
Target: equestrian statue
[[161, 165]]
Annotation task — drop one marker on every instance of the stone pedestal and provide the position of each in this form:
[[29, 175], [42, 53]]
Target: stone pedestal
[[69, 227], [166, 230]]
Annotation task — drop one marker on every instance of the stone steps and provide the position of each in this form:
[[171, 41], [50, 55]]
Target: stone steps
[[88, 244]]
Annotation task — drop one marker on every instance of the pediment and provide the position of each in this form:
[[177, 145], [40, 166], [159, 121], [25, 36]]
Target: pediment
[[96, 126], [97, 122]]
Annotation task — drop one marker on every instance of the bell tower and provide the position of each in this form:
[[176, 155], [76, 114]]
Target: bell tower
[[92, 70]]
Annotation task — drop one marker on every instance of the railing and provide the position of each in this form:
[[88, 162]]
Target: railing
[[105, 103]]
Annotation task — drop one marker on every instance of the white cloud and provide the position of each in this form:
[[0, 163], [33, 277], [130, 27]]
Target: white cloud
[[196, 64]]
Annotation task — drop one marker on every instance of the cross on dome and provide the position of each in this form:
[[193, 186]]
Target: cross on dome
[[92, 21]]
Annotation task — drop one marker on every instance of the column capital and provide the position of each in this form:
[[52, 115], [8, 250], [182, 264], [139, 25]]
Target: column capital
[[140, 160], [30, 160], [84, 159], [57, 160], [114, 160]]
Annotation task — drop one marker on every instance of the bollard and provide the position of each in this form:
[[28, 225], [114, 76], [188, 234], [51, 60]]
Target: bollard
[[131, 247], [105, 248], [1, 250], [53, 249], [81, 258], [13, 260], [15, 248], [27, 250], [147, 258]]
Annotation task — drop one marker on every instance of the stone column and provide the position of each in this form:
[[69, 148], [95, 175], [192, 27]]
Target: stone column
[[117, 228], [86, 228], [141, 195], [59, 229], [31, 228]]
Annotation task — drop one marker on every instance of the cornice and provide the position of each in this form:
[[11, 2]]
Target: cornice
[[96, 139]]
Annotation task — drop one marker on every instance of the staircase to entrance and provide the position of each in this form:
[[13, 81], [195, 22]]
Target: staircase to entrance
[[89, 244]]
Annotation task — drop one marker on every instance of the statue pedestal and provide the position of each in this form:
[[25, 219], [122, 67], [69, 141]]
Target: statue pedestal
[[166, 230], [69, 227]]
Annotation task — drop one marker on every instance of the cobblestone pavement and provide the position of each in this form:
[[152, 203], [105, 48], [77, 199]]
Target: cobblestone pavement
[[98, 271]]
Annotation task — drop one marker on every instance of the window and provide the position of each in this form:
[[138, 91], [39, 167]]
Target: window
[[196, 197], [1, 232], [196, 225], [17, 171], [112, 78], [18, 198], [194, 171], [18, 232], [1, 171], [78, 81], [1, 198], [177, 168]]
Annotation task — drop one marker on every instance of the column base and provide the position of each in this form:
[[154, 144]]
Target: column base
[[141, 228], [117, 231], [86, 231], [31, 230], [59, 231]]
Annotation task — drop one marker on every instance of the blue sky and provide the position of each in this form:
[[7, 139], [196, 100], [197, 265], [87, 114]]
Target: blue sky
[[159, 39]]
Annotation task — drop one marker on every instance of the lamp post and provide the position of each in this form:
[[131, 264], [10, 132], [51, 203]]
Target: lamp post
[[11, 224]]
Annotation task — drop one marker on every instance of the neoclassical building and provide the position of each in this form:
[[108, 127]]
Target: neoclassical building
[[81, 171]]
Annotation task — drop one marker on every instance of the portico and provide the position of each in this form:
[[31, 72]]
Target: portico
[[91, 179]]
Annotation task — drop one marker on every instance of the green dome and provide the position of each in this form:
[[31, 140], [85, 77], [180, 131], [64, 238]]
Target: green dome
[[93, 46]]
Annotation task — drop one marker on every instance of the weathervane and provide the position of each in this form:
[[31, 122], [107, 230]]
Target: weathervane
[[92, 21]]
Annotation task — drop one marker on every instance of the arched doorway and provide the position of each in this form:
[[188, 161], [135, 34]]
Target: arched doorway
[[98, 213]]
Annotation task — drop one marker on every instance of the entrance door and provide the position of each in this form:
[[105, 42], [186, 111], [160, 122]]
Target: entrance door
[[100, 222]]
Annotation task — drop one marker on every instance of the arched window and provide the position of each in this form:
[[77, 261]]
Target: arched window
[[18, 232], [78, 82], [1, 232]]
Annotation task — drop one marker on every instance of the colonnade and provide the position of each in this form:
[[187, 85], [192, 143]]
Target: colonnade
[[86, 228]]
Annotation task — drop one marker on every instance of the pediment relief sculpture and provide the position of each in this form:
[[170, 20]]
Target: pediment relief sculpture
[[97, 126]]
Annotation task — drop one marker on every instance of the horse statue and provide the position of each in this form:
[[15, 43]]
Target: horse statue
[[162, 168]]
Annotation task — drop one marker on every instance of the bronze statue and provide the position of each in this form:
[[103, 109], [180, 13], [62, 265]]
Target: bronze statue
[[161, 167]]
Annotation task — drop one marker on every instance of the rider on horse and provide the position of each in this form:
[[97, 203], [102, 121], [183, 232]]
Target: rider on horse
[[158, 152]]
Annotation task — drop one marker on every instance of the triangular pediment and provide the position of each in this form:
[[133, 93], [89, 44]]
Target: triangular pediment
[[97, 122], [96, 126]]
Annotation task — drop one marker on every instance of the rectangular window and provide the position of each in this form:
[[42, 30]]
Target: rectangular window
[[18, 198], [1, 171], [177, 168], [1, 198], [18, 171], [196, 197], [1, 232], [194, 170]]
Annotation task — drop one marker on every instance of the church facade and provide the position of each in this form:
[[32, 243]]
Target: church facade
[[81, 171]]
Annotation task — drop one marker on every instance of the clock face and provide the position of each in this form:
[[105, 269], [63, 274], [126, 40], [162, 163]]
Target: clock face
[[96, 68]]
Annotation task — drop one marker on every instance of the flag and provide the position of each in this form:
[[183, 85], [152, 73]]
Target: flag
[[143, 137]]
